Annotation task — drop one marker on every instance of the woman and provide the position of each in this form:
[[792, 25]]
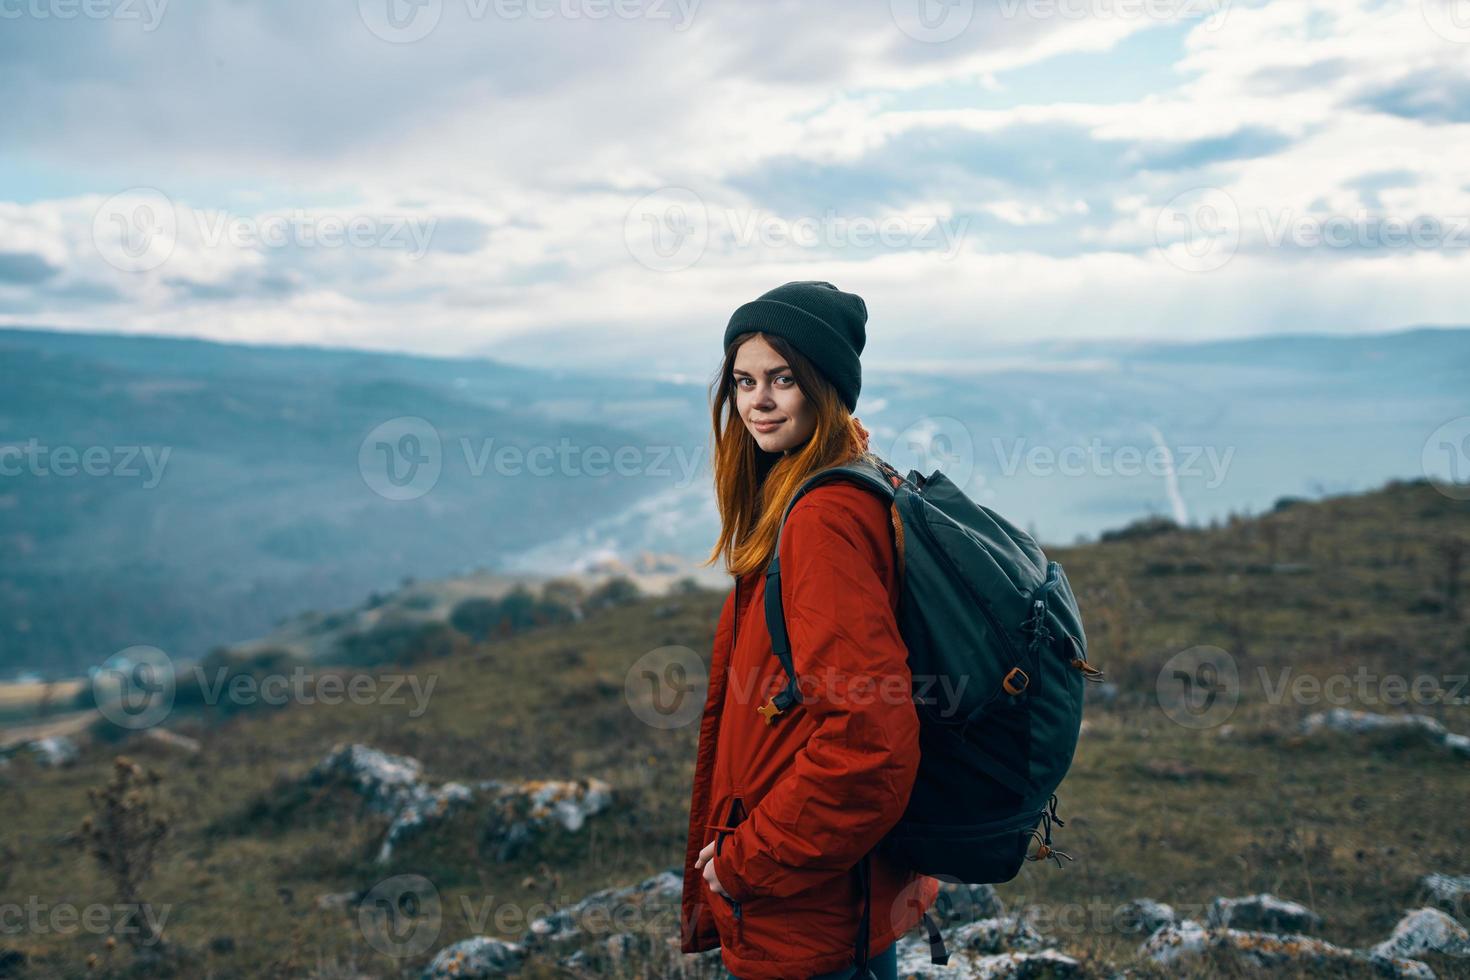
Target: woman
[[786, 805]]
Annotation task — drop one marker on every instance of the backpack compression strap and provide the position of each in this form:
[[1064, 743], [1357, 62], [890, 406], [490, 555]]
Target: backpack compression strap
[[869, 472]]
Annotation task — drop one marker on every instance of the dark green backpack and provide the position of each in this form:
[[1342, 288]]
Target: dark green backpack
[[998, 656]]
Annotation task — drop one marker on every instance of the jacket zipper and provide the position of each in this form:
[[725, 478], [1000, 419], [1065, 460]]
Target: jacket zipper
[[719, 843], [734, 626]]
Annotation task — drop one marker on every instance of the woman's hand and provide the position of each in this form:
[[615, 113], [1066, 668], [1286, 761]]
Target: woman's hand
[[706, 861]]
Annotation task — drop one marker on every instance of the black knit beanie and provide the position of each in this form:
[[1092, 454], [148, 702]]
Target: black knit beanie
[[827, 325]]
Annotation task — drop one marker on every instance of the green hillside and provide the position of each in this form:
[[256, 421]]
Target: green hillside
[[1158, 805]]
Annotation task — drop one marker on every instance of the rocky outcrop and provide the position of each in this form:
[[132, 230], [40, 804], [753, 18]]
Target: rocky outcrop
[[1176, 944], [914, 963], [393, 785], [648, 901], [1425, 931], [997, 935], [1145, 915], [520, 812], [1363, 722], [475, 958], [1262, 912]]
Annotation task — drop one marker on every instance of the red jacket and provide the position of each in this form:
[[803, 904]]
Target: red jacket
[[796, 804]]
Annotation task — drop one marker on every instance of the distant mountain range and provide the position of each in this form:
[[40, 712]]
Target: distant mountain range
[[184, 493]]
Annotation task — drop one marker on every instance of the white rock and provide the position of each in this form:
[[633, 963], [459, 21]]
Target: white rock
[[1146, 916], [475, 958], [54, 751], [1360, 722], [1446, 888], [1002, 934], [1422, 931], [1047, 963], [1172, 943], [1264, 912]]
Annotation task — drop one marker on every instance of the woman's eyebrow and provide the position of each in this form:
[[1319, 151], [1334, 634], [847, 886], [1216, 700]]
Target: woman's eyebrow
[[775, 370]]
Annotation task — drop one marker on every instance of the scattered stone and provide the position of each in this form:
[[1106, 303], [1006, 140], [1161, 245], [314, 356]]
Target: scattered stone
[[1422, 931], [1146, 916], [1047, 964], [1175, 942], [385, 782], [429, 806], [394, 785], [390, 784], [1363, 722], [474, 958], [54, 751], [522, 811], [997, 935], [1446, 889], [1172, 945], [914, 963], [1263, 912], [650, 897]]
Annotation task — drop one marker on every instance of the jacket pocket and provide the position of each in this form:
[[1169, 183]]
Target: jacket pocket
[[734, 815]]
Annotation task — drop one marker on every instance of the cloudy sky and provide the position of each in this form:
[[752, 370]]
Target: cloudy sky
[[600, 182]]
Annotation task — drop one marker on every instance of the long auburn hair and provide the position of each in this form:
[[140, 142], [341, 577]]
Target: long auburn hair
[[751, 505]]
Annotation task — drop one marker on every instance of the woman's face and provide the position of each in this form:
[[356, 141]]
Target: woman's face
[[770, 404]]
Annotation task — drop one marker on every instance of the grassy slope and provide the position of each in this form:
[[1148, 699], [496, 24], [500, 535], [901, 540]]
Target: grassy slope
[[1345, 825]]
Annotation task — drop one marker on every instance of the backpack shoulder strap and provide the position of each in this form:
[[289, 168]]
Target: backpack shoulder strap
[[870, 472]]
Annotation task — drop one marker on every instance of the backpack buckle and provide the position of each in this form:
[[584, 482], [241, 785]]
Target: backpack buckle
[[768, 711], [1015, 682]]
